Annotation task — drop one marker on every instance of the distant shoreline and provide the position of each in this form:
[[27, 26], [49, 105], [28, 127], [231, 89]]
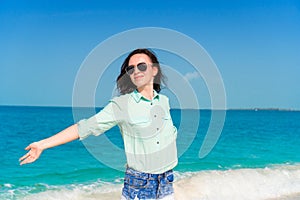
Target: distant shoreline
[[99, 107], [267, 109]]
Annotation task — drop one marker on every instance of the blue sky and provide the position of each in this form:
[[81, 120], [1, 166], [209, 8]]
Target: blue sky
[[255, 45]]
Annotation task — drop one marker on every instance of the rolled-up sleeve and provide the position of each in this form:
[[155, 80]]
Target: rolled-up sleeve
[[99, 123]]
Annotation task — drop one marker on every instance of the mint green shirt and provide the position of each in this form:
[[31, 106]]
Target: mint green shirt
[[146, 127]]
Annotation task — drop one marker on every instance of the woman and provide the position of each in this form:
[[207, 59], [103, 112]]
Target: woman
[[143, 116]]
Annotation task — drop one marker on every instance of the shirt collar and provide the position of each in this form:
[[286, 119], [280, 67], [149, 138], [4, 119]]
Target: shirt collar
[[138, 96]]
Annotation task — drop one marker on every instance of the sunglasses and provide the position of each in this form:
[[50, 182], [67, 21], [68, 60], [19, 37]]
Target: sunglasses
[[141, 66]]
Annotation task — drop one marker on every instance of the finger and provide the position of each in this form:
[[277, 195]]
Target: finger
[[24, 161], [24, 157], [29, 159], [28, 147]]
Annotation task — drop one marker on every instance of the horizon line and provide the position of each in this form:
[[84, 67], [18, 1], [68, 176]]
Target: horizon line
[[241, 108]]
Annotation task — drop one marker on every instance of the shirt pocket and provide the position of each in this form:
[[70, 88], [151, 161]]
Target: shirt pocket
[[139, 122], [169, 126], [139, 127]]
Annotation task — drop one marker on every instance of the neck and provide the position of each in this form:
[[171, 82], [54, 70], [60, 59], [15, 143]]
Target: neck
[[146, 91]]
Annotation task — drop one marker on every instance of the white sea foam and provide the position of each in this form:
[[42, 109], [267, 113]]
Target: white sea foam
[[8, 185], [247, 184], [91, 191], [276, 182]]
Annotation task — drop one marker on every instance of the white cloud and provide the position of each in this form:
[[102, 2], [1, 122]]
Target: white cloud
[[191, 75]]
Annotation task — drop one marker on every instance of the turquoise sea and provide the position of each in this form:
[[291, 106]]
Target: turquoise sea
[[256, 157]]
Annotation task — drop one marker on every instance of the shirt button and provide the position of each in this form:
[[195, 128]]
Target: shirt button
[[154, 115], [157, 142], [151, 103], [157, 128]]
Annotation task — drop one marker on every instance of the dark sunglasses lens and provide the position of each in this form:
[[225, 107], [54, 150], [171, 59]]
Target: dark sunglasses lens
[[129, 69], [142, 67]]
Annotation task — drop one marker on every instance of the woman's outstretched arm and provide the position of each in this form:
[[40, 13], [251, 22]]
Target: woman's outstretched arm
[[36, 148]]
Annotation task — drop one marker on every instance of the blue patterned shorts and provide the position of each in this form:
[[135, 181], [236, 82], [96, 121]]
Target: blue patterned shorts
[[142, 185]]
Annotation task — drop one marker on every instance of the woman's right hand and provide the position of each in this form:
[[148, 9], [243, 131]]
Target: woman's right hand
[[34, 153]]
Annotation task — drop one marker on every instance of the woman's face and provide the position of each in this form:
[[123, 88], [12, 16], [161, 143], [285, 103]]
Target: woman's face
[[142, 78]]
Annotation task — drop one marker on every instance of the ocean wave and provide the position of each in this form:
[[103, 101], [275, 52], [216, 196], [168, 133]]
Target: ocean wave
[[82, 191], [273, 182]]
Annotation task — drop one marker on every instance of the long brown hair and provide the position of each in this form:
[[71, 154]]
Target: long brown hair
[[124, 83]]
